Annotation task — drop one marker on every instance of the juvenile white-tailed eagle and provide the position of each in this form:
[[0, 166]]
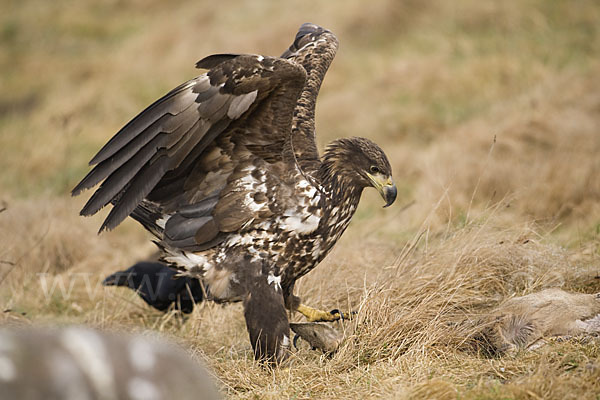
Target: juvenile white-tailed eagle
[[225, 172]]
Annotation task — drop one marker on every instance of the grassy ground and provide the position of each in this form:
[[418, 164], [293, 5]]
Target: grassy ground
[[489, 111]]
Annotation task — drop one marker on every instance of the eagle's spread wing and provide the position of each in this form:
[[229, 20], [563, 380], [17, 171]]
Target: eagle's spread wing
[[314, 48], [202, 137]]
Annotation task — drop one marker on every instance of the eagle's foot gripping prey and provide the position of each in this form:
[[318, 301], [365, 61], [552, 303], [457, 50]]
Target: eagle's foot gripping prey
[[315, 315]]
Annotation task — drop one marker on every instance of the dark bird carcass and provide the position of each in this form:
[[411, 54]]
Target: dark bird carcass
[[159, 286], [224, 171]]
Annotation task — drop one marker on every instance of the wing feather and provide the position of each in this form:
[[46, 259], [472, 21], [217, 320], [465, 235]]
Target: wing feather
[[171, 104], [314, 48], [240, 104], [141, 185], [153, 155], [117, 181]]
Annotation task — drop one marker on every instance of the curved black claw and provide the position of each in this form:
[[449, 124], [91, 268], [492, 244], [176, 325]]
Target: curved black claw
[[295, 341], [341, 314], [336, 311]]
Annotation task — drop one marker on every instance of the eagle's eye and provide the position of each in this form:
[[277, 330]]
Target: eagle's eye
[[374, 169]]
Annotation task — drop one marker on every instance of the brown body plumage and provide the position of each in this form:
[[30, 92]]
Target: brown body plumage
[[225, 172]]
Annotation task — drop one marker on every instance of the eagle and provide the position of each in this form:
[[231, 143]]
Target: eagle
[[224, 171]]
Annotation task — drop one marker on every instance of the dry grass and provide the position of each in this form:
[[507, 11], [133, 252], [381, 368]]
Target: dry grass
[[490, 112]]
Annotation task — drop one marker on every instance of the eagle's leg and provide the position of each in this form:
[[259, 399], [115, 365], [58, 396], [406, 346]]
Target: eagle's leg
[[267, 321], [315, 315]]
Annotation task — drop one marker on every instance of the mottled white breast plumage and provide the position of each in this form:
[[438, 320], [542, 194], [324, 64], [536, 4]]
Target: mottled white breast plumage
[[293, 242]]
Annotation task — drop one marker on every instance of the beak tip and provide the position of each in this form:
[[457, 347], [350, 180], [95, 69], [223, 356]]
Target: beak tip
[[390, 195]]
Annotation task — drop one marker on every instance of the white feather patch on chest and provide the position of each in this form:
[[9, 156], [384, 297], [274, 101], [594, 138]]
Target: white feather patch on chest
[[302, 224], [298, 219]]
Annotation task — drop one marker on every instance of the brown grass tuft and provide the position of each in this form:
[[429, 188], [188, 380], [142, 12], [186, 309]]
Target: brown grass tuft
[[418, 305]]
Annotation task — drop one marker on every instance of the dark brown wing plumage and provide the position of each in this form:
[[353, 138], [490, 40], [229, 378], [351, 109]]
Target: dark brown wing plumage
[[314, 48], [248, 99]]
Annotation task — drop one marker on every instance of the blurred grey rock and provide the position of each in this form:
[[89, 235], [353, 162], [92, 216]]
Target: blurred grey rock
[[79, 363]]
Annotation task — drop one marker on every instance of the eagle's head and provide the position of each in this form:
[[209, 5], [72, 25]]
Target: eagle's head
[[361, 163]]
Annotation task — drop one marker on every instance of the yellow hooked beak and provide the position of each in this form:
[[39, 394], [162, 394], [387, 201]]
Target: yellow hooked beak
[[385, 186]]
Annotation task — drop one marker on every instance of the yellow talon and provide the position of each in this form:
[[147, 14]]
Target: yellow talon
[[314, 315]]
